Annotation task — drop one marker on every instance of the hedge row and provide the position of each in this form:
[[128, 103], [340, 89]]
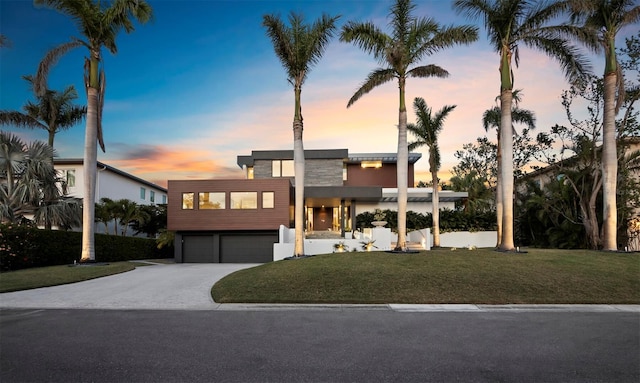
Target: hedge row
[[23, 247], [450, 220]]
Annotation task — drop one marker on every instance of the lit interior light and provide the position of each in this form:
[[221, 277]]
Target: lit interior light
[[371, 164]]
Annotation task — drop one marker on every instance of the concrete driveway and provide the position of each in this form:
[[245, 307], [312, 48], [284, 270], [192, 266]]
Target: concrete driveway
[[160, 286]]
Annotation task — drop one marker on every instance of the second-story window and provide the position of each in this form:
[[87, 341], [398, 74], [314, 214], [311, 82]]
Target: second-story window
[[152, 196], [187, 201], [71, 178], [143, 193], [282, 168]]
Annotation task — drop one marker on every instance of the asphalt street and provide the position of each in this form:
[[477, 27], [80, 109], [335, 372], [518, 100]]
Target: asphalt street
[[316, 345]]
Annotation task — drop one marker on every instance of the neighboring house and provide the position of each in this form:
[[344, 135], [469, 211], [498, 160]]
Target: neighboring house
[[110, 183], [238, 220]]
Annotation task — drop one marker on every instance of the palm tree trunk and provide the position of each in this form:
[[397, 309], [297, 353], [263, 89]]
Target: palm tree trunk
[[402, 170], [609, 165], [499, 207], [506, 138], [298, 163], [90, 170], [435, 212]]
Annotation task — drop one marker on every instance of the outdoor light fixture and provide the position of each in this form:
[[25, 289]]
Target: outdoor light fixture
[[371, 164]]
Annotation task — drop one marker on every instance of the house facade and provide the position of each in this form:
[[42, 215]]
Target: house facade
[[238, 220], [111, 183]]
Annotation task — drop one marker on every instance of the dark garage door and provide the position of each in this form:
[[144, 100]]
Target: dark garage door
[[198, 249], [247, 248]]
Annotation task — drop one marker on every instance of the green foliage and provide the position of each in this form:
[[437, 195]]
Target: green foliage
[[450, 220], [25, 246]]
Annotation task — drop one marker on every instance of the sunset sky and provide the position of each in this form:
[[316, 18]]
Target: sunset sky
[[200, 84]]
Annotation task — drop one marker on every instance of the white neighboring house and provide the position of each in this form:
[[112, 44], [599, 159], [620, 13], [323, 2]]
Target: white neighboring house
[[110, 183]]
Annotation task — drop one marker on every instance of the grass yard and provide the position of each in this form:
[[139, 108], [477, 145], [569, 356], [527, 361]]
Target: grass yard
[[58, 275], [481, 276]]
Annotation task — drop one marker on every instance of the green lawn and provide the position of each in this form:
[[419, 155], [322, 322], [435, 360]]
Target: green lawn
[[441, 276], [58, 275]]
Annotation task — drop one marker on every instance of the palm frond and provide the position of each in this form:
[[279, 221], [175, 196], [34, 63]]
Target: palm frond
[[431, 70], [377, 77], [48, 61], [15, 118], [368, 37]]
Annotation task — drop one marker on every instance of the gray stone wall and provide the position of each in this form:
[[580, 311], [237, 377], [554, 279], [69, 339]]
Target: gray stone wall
[[320, 172]]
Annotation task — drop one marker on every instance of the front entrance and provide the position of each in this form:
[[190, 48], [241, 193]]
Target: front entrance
[[322, 218], [325, 218]]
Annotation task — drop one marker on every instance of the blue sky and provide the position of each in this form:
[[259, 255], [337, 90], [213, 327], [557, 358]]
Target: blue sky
[[200, 84]]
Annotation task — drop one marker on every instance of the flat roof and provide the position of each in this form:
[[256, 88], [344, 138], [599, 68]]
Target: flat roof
[[354, 158]]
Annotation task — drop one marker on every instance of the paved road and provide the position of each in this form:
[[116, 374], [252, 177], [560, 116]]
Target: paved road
[[304, 345]]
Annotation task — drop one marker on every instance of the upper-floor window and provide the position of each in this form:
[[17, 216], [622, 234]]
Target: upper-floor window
[[71, 177], [250, 172], [187, 201], [210, 200], [164, 199], [152, 196], [268, 200], [344, 172], [282, 168], [143, 193], [244, 200]]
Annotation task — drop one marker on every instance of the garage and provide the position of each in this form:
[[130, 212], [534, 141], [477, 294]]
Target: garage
[[247, 248], [198, 249], [256, 247]]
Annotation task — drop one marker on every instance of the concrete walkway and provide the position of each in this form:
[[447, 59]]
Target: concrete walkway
[[187, 286]]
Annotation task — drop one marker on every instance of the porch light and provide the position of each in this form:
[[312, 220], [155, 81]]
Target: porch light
[[371, 164]]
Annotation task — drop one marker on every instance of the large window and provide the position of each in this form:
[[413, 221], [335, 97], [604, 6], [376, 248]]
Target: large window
[[210, 200], [187, 201], [282, 168], [244, 200], [267, 200]]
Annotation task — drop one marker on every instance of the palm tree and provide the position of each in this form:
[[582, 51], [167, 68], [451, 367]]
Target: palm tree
[[426, 130], [29, 186], [491, 119], [603, 19], [411, 39], [509, 23], [54, 111], [99, 22], [299, 47]]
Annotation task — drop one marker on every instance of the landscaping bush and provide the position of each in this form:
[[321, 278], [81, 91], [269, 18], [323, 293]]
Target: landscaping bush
[[26, 246], [450, 220]]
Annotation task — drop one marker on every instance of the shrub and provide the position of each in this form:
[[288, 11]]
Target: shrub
[[26, 246]]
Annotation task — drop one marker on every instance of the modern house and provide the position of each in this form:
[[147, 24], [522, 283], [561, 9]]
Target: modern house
[[239, 220], [110, 183]]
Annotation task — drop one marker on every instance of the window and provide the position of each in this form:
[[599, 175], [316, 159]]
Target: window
[[282, 168], [143, 193], [152, 196], [164, 199], [187, 201], [267, 200], [344, 172], [244, 200], [250, 173], [71, 178], [209, 200]]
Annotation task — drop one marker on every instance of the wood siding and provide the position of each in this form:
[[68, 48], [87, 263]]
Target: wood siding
[[384, 177], [229, 219]]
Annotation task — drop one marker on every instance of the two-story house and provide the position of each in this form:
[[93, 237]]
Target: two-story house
[[238, 220], [111, 183]]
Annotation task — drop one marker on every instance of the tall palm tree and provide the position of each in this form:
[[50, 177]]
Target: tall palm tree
[[491, 119], [509, 23], [99, 23], [603, 19], [411, 39], [53, 111], [426, 130], [299, 47]]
